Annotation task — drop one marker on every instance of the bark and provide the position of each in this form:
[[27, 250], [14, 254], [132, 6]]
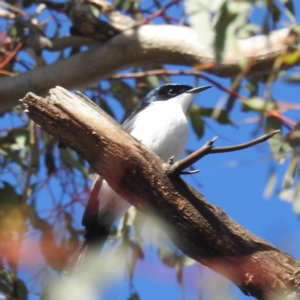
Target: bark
[[145, 45], [201, 230]]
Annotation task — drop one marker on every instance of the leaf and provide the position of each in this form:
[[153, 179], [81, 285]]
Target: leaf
[[223, 117], [124, 93], [22, 291], [287, 195], [271, 183], [55, 255], [10, 285], [231, 17], [224, 19], [134, 296], [169, 257], [9, 195], [275, 142], [291, 58], [273, 10], [290, 10], [197, 112], [49, 155], [16, 30], [13, 219], [153, 81], [258, 104], [197, 124], [295, 78], [293, 137], [296, 205], [199, 16], [94, 10], [123, 4], [288, 179]]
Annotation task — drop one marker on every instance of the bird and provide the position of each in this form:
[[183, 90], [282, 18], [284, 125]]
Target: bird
[[160, 124]]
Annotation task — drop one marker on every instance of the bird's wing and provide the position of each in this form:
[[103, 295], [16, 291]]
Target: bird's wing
[[92, 204], [104, 206]]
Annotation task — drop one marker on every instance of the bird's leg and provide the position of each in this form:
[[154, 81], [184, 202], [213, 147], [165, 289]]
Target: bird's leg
[[170, 162]]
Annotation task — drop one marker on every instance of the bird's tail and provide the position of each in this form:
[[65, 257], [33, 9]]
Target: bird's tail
[[93, 240]]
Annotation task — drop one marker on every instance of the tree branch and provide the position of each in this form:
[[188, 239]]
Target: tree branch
[[145, 45], [208, 148], [40, 42], [201, 230]]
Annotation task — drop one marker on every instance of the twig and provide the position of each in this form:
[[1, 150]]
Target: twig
[[159, 12], [186, 162], [11, 55], [172, 72]]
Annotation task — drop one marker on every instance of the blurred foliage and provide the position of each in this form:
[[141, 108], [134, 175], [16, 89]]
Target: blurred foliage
[[44, 188]]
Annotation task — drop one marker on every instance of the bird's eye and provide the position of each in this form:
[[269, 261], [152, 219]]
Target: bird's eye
[[171, 92]]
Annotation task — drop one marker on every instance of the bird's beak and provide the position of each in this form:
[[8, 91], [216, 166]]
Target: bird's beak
[[199, 89], [186, 98]]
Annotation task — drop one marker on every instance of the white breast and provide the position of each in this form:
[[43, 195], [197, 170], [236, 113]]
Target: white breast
[[163, 128]]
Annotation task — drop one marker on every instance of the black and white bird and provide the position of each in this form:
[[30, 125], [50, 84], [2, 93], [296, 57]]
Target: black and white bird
[[161, 125]]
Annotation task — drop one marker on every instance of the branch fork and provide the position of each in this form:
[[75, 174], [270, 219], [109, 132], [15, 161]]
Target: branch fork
[[178, 167]]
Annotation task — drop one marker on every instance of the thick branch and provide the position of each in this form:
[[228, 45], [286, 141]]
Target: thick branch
[[201, 230], [145, 45]]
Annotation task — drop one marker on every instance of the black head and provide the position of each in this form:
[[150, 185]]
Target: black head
[[166, 92]]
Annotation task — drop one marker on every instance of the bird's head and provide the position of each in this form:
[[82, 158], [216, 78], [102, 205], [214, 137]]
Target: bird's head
[[177, 93]]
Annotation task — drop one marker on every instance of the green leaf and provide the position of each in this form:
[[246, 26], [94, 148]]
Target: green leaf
[[134, 296], [222, 118], [94, 10], [258, 104], [197, 112], [290, 10], [153, 81], [291, 58], [16, 30], [231, 17], [293, 137], [124, 93], [275, 141], [197, 124], [296, 205], [273, 10], [22, 291], [199, 16], [9, 195], [224, 19]]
